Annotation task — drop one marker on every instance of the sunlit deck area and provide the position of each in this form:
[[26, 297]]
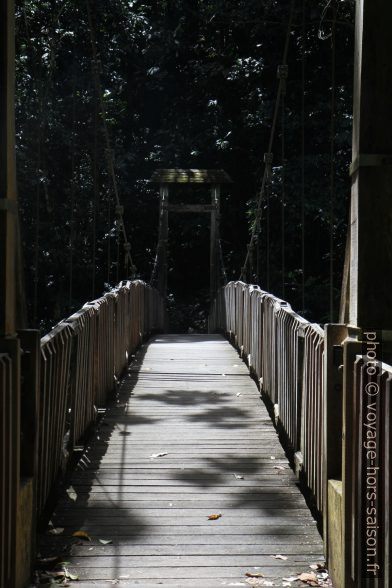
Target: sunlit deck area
[[187, 437]]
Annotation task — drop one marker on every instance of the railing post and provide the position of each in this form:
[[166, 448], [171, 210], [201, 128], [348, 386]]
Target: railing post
[[338, 341], [298, 457], [333, 407], [351, 348]]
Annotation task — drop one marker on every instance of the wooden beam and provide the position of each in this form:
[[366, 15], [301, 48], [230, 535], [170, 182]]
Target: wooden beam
[[191, 207], [370, 303]]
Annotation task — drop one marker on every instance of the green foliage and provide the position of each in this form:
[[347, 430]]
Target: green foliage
[[186, 84]]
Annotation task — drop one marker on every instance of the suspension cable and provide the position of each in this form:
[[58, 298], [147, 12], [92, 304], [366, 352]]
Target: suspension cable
[[303, 156], [109, 150], [282, 75], [332, 167], [268, 248], [95, 198], [222, 262], [72, 196], [271, 139]]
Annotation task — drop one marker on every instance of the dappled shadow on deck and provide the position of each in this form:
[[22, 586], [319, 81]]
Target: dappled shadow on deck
[[220, 453]]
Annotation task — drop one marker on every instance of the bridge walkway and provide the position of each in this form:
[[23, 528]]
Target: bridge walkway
[[186, 438]]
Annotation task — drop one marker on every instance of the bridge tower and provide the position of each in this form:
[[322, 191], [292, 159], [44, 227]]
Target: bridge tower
[[166, 177], [367, 300]]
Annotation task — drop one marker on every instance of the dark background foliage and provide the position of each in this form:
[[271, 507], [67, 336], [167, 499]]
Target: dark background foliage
[[188, 83]]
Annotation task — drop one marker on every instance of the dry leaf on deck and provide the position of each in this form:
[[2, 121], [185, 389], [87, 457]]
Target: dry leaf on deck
[[257, 582], [318, 566], [238, 477], [309, 578], [71, 493], [71, 576], [213, 517], [82, 535], [55, 531], [158, 455], [105, 541], [254, 574], [278, 556]]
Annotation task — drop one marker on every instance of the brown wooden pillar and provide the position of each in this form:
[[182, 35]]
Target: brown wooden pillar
[[214, 238], [163, 238], [370, 300], [19, 350], [8, 202]]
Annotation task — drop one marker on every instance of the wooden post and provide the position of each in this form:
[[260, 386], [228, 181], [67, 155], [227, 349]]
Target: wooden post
[[8, 202], [351, 348], [163, 238], [371, 169], [22, 354], [214, 235]]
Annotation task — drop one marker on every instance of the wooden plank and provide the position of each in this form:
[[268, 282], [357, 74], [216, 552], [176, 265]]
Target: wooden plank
[[195, 550], [155, 510]]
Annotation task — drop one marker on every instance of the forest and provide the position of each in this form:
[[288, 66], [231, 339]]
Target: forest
[[109, 91]]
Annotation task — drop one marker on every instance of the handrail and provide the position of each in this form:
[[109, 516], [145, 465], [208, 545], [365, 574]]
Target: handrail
[[315, 380], [284, 352], [81, 359]]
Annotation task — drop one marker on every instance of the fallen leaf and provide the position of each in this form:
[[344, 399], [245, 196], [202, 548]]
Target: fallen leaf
[[309, 578], [55, 531], [278, 556], [57, 574], [238, 477], [157, 455], [213, 517], [256, 582], [71, 576], [82, 535], [71, 493], [318, 566], [254, 574], [105, 541], [238, 394]]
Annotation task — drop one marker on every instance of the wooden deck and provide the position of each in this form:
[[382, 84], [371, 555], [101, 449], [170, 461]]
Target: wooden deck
[[190, 398]]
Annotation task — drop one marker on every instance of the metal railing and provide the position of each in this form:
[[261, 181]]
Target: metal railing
[[81, 359], [285, 353]]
